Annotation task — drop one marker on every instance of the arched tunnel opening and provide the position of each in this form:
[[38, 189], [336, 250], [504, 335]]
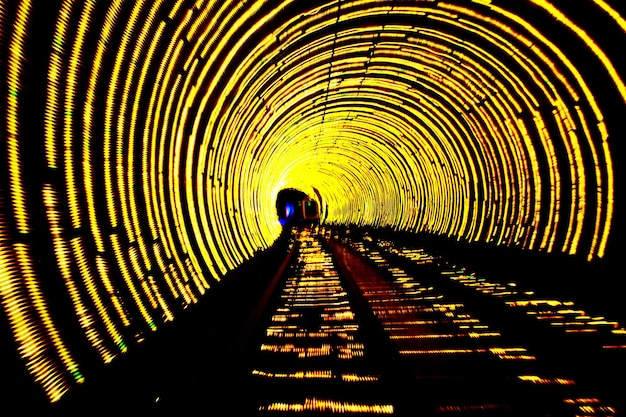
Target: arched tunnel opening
[[173, 171], [294, 207]]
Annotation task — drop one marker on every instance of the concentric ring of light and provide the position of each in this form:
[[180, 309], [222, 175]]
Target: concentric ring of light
[[171, 127]]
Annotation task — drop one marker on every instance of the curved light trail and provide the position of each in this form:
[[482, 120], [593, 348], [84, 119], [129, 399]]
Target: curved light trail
[[145, 143]]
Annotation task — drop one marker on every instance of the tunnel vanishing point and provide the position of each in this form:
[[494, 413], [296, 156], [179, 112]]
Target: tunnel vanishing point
[[144, 144]]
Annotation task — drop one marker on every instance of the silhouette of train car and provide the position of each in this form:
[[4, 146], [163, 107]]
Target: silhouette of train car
[[295, 207]]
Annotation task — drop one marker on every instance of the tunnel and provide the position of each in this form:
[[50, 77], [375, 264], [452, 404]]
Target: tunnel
[[146, 145]]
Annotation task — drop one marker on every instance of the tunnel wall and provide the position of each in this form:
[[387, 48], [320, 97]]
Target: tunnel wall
[[144, 144]]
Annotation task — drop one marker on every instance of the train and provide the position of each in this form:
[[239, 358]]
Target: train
[[295, 207]]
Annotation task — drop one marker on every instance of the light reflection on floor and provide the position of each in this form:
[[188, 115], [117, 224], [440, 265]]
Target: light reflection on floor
[[314, 321], [314, 357]]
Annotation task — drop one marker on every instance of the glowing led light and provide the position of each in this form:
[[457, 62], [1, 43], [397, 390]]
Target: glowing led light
[[331, 406]]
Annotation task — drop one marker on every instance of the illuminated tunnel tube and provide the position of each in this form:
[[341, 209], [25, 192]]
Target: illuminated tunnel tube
[[145, 143]]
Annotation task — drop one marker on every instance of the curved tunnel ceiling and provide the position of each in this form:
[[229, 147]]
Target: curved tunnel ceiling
[[146, 142]]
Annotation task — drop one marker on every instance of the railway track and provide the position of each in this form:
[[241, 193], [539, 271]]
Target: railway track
[[363, 327]]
